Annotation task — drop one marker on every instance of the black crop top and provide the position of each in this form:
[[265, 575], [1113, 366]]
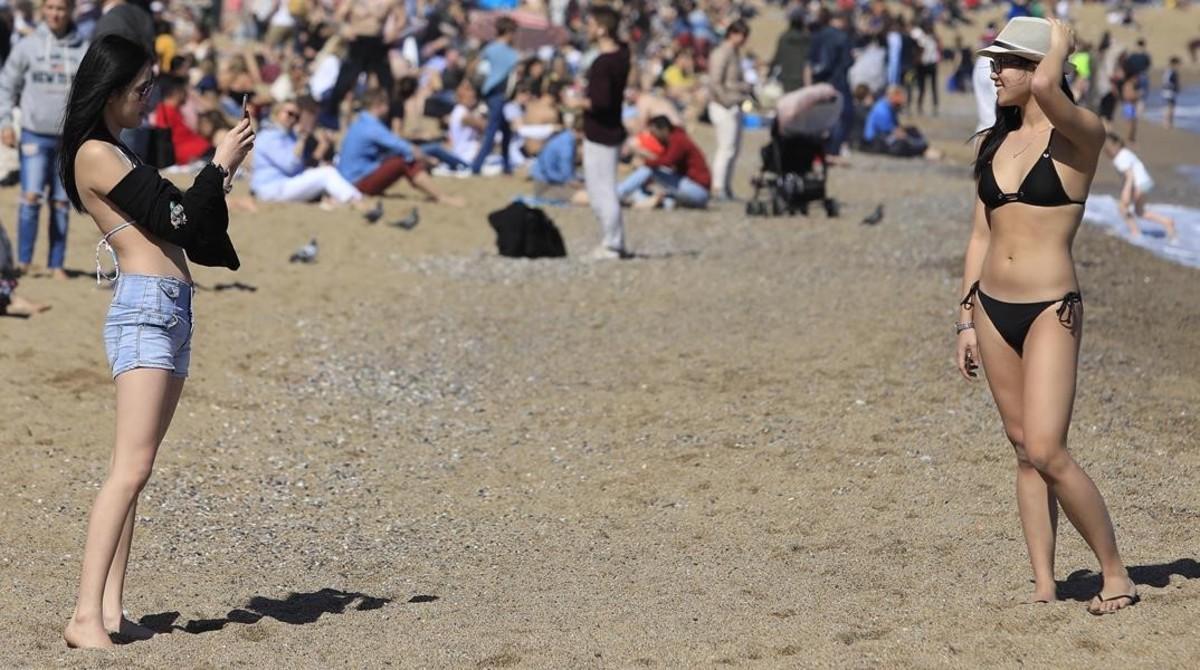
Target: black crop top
[[1042, 187]]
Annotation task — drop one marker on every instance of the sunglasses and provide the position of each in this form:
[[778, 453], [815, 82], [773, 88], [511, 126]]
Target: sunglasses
[[291, 113], [144, 90], [1001, 62]]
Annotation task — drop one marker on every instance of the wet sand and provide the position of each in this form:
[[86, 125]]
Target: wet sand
[[749, 447]]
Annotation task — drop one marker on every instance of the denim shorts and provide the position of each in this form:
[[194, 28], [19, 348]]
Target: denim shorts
[[149, 325]]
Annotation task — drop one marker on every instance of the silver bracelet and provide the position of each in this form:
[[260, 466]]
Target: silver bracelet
[[960, 326]]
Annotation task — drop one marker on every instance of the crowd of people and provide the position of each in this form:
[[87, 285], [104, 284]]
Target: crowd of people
[[351, 98], [595, 103]]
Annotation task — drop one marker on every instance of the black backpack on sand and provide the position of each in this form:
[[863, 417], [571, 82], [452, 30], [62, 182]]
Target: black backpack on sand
[[526, 232]]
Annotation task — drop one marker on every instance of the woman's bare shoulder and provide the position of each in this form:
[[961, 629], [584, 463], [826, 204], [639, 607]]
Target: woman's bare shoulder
[[100, 166]]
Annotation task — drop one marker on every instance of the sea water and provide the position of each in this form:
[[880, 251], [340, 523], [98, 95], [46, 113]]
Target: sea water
[[1104, 210]]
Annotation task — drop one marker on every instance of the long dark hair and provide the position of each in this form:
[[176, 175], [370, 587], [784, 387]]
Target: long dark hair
[[109, 66], [1008, 119]]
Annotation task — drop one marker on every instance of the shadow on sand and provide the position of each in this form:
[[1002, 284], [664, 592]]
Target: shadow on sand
[[1083, 585], [296, 609]]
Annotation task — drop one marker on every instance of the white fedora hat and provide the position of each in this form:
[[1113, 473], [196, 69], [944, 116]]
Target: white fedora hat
[[1025, 36]]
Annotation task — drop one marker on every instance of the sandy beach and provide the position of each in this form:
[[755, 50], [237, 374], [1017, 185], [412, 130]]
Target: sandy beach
[[749, 446]]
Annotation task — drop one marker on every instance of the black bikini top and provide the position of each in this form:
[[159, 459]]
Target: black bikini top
[[1042, 187]]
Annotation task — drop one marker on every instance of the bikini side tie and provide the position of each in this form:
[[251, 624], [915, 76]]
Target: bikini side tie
[[1066, 310], [104, 245], [969, 301]]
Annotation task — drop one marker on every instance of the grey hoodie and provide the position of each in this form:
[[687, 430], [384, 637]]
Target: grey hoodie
[[37, 78]]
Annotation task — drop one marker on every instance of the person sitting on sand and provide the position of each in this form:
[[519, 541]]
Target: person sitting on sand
[[1136, 184], [188, 144], [373, 158], [679, 174], [11, 304], [278, 172], [465, 125], [554, 171], [883, 133]]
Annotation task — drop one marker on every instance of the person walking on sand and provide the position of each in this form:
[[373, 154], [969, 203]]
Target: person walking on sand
[[37, 78], [501, 59], [153, 230], [1033, 171], [1136, 183], [603, 130], [727, 90]]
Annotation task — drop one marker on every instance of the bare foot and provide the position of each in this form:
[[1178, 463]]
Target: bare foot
[[1043, 594], [244, 204], [1116, 594], [128, 630], [85, 635], [648, 203], [451, 201], [22, 307], [59, 273]]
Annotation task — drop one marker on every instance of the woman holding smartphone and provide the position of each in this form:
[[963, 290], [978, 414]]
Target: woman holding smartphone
[[150, 231]]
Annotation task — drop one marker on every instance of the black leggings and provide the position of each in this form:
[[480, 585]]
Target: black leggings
[[366, 54], [1014, 319], [927, 71]]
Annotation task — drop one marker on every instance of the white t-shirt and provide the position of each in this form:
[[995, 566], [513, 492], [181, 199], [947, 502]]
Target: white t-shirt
[[464, 140], [985, 93], [325, 76], [1126, 160]]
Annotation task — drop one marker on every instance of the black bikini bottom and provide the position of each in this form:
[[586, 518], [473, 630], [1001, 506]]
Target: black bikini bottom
[[1013, 319]]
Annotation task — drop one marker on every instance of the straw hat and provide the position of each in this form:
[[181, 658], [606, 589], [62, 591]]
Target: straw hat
[[1025, 36]]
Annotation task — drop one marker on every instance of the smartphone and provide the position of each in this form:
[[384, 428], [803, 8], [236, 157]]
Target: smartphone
[[246, 105]]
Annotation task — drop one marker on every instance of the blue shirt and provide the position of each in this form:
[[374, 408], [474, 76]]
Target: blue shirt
[[275, 158], [501, 60], [555, 163], [366, 145], [881, 121]]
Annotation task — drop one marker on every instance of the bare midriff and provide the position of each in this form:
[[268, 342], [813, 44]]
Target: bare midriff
[[138, 252], [141, 254], [1029, 253]]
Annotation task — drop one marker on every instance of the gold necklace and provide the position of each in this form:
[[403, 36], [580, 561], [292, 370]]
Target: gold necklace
[[1030, 142]]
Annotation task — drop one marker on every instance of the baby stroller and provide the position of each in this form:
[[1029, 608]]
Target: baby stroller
[[794, 170]]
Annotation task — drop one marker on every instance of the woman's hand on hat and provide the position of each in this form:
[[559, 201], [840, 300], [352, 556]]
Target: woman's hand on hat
[[1062, 36]]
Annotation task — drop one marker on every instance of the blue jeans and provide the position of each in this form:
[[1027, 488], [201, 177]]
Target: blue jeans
[[444, 155], [841, 130], [495, 123], [39, 160], [685, 191]]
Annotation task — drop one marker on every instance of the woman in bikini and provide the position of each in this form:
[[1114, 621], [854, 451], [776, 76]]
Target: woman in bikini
[[153, 230], [1033, 170]]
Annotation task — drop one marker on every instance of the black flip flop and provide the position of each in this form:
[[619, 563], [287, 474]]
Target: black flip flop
[[1134, 599]]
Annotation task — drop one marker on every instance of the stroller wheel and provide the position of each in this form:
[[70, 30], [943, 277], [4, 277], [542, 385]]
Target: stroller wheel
[[832, 209], [803, 207]]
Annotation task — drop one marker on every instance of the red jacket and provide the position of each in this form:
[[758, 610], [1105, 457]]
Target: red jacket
[[189, 145], [684, 157]]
